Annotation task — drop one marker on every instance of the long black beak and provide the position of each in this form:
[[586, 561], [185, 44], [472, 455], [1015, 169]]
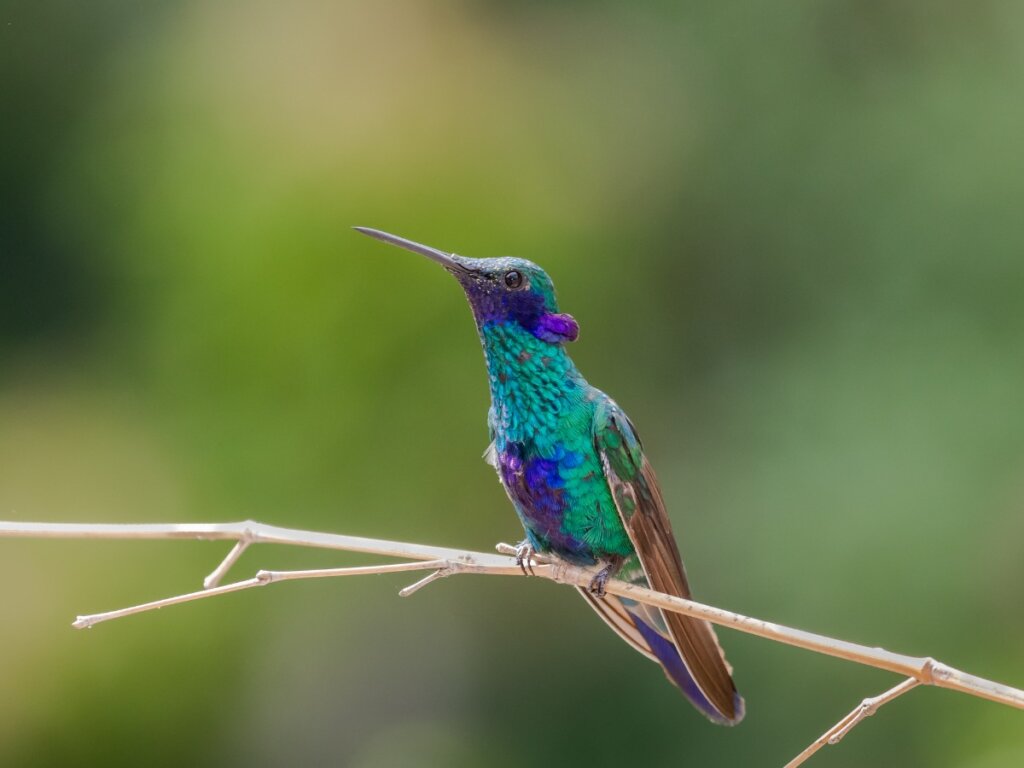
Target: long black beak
[[447, 260]]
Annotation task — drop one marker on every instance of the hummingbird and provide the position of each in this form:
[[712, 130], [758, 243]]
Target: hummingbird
[[575, 470]]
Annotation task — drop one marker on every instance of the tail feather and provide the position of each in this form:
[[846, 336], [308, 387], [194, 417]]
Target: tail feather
[[615, 615], [644, 629], [676, 670]]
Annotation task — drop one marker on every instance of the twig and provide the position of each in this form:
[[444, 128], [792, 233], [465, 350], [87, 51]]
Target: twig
[[865, 709], [444, 562], [226, 564], [261, 579]]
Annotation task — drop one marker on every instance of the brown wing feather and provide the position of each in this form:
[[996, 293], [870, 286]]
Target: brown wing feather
[[650, 531]]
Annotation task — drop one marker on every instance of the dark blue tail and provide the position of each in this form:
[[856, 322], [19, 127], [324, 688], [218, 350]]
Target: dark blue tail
[[676, 671]]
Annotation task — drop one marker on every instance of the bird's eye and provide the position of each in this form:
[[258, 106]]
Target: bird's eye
[[513, 278]]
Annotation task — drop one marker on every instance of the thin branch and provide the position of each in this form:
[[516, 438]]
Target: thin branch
[[865, 709], [443, 562], [244, 530]]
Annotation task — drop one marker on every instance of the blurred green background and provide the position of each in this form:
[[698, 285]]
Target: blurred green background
[[793, 239]]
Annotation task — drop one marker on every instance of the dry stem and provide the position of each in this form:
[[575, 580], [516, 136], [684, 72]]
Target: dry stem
[[866, 708], [442, 562]]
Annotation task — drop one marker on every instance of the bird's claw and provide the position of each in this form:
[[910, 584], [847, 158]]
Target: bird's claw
[[601, 578], [524, 557], [597, 583]]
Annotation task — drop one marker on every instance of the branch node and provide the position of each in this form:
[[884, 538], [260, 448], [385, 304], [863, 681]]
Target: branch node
[[937, 672], [866, 708]]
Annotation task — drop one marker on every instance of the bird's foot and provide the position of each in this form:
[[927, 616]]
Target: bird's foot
[[611, 568], [524, 557]]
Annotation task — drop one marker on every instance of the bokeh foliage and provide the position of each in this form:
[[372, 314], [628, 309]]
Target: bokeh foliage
[[791, 234]]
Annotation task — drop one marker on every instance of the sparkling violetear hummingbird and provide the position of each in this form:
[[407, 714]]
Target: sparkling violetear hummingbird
[[576, 472]]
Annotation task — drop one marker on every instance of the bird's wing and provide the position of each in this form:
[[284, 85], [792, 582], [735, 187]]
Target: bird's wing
[[703, 674]]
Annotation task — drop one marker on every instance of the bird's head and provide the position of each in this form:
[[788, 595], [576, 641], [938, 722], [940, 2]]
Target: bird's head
[[500, 290]]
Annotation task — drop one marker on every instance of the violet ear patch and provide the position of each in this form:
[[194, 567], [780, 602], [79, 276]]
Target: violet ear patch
[[556, 328]]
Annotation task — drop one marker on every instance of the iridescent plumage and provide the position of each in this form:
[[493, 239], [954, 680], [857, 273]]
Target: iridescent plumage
[[575, 471]]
